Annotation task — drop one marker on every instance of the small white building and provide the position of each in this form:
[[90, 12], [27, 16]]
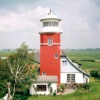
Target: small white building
[[41, 85], [71, 73]]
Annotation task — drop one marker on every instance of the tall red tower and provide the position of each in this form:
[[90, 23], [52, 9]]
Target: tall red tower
[[50, 46]]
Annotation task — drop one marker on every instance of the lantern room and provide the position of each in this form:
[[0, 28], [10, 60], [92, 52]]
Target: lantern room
[[50, 23]]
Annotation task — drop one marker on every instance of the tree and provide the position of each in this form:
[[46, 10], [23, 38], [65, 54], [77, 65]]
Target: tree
[[20, 68], [22, 51], [4, 77], [94, 73]]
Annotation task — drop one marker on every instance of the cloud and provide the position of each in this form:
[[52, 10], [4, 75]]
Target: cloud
[[16, 27], [80, 22], [18, 21]]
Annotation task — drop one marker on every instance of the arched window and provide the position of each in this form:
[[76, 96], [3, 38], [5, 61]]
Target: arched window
[[50, 41]]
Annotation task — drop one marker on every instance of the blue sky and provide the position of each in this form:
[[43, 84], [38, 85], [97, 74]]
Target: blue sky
[[20, 22]]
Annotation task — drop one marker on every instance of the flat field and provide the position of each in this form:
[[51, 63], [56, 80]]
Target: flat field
[[5, 53], [88, 59]]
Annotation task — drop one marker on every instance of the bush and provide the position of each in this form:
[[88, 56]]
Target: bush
[[54, 93], [51, 90], [59, 89], [62, 86], [94, 73], [86, 86]]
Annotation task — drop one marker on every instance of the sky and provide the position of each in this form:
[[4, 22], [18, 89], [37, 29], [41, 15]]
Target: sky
[[20, 22]]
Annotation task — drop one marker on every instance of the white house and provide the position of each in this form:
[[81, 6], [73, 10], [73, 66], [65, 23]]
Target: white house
[[41, 85], [70, 72]]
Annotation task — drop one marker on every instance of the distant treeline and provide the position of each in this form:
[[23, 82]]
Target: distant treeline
[[88, 60], [16, 49], [88, 49]]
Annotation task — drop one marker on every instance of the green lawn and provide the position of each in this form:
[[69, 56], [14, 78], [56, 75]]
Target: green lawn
[[79, 55]]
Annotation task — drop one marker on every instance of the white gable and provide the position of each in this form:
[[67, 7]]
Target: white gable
[[70, 68], [66, 66]]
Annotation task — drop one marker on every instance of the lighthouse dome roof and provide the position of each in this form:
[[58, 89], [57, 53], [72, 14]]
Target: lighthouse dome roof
[[50, 16]]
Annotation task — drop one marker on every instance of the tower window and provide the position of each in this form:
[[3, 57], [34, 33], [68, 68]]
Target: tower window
[[50, 24], [44, 73], [50, 41], [56, 56], [55, 23]]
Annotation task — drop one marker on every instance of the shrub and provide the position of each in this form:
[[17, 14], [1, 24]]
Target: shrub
[[51, 90], [86, 86], [94, 73], [54, 93], [62, 86], [59, 89]]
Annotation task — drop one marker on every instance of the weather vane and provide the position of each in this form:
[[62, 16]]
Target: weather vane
[[49, 12]]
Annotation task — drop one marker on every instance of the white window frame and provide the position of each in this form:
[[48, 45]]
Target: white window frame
[[64, 62], [56, 56], [50, 42], [70, 78], [41, 88], [44, 73]]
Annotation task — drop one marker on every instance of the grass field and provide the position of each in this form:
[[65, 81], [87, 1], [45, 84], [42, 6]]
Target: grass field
[[79, 55], [5, 53]]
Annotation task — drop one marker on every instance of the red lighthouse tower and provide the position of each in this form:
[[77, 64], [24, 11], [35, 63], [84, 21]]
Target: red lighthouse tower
[[50, 46]]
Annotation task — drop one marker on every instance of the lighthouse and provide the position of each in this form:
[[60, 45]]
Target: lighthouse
[[50, 46], [55, 68]]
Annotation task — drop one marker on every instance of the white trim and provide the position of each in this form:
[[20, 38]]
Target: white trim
[[50, 45]]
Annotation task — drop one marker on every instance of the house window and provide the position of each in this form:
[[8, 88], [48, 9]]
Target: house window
[[41, 87], [70, 77], [44, 73], [50, 41], [56, 56], [64, 62]]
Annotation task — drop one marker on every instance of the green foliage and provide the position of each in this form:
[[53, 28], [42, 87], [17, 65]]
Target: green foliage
[[54, 93], [17, 70], [49, 84], [22, 51], [51, 90], [94, 73], [62, 86], [59, 89], [30, 55], [86, 86], [4, 77]]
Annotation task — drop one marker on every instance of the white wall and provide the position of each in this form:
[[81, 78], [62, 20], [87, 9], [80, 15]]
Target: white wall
[[70, 69], [32, 91], [78, 77]]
